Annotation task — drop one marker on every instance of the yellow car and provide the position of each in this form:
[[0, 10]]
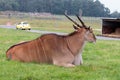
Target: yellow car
[[23, 26]]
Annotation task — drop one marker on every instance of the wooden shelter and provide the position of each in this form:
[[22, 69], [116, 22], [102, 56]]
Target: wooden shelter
[[111, 27]]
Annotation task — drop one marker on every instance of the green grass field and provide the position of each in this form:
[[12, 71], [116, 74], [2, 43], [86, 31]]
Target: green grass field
[[57, 23], [101, 61]]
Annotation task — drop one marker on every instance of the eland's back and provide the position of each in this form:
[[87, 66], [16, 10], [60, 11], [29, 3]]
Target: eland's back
[[41, 50]]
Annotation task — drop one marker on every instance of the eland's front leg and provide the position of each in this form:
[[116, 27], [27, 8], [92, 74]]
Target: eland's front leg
[[81, 60], [78, 59]]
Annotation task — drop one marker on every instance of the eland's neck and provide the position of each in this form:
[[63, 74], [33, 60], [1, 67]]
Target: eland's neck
[[76, 42]]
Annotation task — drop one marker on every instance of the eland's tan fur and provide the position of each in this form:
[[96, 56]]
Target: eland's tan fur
[[61, 50]]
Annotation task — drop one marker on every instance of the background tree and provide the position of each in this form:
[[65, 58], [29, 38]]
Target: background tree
[[88, 7], [8, 5], [115, 14]]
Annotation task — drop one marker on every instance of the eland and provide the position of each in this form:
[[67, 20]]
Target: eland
[[60, 50]]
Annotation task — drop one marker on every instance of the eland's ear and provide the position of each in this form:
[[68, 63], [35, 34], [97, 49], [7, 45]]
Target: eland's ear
[[88, 28], [75, 27]]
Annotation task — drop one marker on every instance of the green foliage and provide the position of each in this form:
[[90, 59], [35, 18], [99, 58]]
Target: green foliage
[[115, 14], [8, 5], [101, 61], [88, 7]]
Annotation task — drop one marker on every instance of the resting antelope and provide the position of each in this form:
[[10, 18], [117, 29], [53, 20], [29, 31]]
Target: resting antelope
[[60, 50]]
